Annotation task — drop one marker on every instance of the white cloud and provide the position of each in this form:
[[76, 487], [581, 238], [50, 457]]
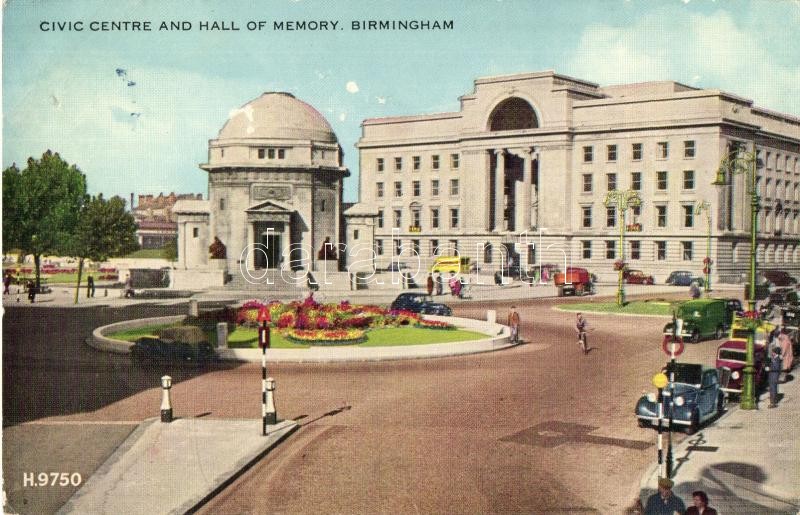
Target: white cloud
[[381, 100], [342, 117], [351, 87], [671, 45]]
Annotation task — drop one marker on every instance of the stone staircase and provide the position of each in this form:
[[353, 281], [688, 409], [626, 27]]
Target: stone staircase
[[271, 280]]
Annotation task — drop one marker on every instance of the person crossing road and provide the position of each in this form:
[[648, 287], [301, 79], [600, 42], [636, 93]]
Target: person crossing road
[[580, 329]]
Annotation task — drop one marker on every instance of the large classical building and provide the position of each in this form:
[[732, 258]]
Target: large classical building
[[524, 166], [274, 196]]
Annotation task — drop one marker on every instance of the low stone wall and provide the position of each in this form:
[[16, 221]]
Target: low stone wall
[[498, 337], [99, 341]]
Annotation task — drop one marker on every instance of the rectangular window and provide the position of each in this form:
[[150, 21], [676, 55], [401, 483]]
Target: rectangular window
[[661, 216], [688, 216], [398, 163], [398, 189], [453, 186], [611, 249], [380, 219], [398, 247], [688, 179], [587, 216], [454, 218], [587, 183], [636, 210], [222, 204], [379, 189], [355, 234], [195, 232], [415, 218], [379, 164], [379, 247], [453, 246], [434, 247], [661, 181], [281, 153], [612, 181], [435, 162], [611, 151], [415, 246], [435, 217], [636, 181], [663, 149], [688, 148], [611, 217], [398, 217], [586, 249], [415, 188], [636, 249], [435, 188], [261, 153], [454, 161], [271, 153], [588, 154], [636, 149], [687, 247], [661, 250], [416, 163], [322, 205]]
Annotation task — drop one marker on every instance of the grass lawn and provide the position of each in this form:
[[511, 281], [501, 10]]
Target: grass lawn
[[146, 254], [244, 338], [638, 307]]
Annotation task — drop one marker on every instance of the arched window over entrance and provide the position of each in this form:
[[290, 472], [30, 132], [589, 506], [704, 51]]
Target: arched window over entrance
[[513, 114]]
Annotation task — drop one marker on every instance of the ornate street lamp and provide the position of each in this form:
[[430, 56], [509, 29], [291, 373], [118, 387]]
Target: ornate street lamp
[[622, 201], [734, 164], [705, 207]]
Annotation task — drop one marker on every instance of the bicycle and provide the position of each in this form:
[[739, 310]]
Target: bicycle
[[582, 343]]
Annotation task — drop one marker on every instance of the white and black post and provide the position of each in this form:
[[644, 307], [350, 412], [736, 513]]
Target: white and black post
[[270, 416], [263, 341], [166, 405], [660, 440]]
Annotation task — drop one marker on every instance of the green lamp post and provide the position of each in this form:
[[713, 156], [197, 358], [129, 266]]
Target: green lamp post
[[746, 163], [622, 201], [705, 207]]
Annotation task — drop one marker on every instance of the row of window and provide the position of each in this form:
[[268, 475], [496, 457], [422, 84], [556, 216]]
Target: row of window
[[449, 248], [272, 153], [780, 163], [397, 218], [416, 163], [661, 181], [635, 250], [416, 188], [637, 151]]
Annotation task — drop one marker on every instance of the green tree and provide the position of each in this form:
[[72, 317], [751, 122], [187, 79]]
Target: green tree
[[105, 229], [41, 206], [170, 250]]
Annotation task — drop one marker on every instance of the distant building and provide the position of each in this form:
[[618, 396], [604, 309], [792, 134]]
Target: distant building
[[156, 221]]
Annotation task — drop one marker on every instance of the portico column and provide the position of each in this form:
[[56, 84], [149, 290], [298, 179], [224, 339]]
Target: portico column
[[250, 258], [522, 214], [499, 189]]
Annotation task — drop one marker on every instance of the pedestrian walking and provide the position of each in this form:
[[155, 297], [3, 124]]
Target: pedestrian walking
[[775, 365], [90, 287], [452, 283], [580, 329], [7, 283], [31, 291], [513, 323], [129, 293], [429, 284], [439, 284], [785, 344], [694, 291], [664, 501], [700, 504]]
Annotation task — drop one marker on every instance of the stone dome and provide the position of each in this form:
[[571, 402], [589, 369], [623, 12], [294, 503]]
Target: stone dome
[[277, 115]]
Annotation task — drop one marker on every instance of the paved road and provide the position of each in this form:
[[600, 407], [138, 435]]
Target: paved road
[[517, 431]]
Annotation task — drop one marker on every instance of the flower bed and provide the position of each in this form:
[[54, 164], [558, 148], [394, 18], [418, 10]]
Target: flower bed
[[313, 323]]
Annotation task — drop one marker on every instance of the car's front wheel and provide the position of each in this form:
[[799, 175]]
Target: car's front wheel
[[695, 336], [720, 404], [643, 423], [694, 424], [719, 333]]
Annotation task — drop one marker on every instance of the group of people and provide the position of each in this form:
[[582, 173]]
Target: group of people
[[666, 502], [457, 285], [581, 326]]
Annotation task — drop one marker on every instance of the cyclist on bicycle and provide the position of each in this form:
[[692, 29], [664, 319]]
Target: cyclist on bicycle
[[580, 329]]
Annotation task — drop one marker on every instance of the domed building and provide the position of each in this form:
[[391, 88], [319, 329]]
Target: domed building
[[275, 176]]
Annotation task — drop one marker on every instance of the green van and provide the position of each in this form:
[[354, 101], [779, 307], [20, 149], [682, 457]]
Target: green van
[[702, 318]]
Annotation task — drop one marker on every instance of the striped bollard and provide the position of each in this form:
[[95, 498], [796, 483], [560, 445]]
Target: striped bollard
[[263, 341]]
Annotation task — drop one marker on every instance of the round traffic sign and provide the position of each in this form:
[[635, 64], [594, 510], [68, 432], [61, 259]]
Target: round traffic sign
[[669, 347], [660, 380]]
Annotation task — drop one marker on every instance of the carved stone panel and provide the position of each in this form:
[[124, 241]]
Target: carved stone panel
[[271, 192]]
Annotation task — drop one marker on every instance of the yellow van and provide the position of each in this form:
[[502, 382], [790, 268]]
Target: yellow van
[[447, 264]]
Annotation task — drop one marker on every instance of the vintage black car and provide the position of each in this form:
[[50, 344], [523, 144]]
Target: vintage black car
[[698, 398], [148, 348], [420, 303], [684, 278]]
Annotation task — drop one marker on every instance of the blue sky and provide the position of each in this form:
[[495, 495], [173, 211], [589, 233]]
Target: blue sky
[[61, 90]]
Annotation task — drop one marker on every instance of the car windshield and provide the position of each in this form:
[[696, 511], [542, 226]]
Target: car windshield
[[689, 312], [687, 373], [731, 355]]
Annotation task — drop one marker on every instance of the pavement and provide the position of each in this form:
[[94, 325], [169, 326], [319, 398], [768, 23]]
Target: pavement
[[175, 467], [748, 461]]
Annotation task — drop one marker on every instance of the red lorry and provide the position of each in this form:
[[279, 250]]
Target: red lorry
[[575, 281]]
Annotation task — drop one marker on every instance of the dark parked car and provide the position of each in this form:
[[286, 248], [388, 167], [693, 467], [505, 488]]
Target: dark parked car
[[158, 349], [779, 277], [515, 272], [419, 303], [732, 355], [698, 398], [637, 277], [684, 278]]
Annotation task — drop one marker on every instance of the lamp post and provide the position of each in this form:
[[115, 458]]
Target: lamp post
[[622, 200], [746, 163], [705, 207]]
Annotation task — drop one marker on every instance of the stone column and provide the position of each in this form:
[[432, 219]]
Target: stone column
[[499, 186], [522, 212], [250, 264]]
